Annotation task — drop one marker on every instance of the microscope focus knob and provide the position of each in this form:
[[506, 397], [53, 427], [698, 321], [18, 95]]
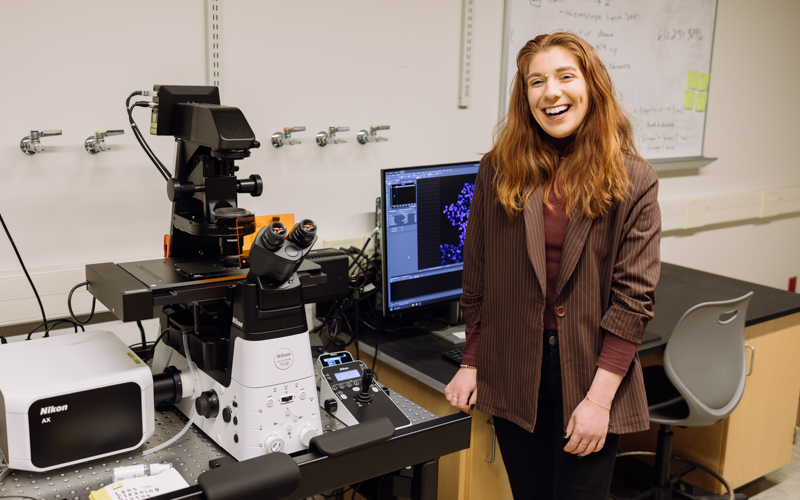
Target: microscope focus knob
[[306, 433], [207, 404], [273, 443], [331, 405], [176, 190], [226, 414]]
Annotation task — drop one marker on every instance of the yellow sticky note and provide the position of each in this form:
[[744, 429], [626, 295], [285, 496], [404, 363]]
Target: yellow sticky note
[[702, 82], [691, 80], [702, 101], [688, 99]]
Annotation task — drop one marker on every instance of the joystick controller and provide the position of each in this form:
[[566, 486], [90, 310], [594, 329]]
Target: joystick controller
[[347, 391], [364, 396]]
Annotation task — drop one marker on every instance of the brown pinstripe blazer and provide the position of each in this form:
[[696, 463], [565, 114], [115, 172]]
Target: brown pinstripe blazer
[[609, 270]]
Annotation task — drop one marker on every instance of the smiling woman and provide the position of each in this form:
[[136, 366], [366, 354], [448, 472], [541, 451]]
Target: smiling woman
[[561, 260], [557, 92]]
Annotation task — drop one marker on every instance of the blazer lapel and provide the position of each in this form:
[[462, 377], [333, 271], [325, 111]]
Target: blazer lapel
[[574, 240], [534, 232]]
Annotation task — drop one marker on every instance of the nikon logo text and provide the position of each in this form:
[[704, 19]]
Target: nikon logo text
[[52, 409]]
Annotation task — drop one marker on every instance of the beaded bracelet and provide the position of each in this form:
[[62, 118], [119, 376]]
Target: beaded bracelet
[[469, 366]]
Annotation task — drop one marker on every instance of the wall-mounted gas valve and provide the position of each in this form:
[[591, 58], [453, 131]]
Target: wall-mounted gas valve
[[285, 137], [324, 138], [97, 143], [372, 136], [30, 143]]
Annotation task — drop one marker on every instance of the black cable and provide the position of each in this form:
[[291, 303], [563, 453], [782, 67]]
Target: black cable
[[327, 316], [152, 349], [143, 143], [354, 334], [363, 248], [69, 305], [141, 331], [375, 358], [336, 330], [24, 269], [336, 493], [3, 340], [58, 322], [52, 323], [140, 138], [355, 490]]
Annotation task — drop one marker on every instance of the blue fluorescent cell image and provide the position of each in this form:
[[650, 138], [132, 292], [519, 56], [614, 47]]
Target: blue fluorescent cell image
[[458, 214]]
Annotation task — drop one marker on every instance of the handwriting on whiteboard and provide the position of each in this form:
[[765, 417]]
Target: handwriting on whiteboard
[[647, 47]]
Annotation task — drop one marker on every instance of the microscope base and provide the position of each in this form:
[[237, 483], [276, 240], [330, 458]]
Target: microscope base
[[266, 408]]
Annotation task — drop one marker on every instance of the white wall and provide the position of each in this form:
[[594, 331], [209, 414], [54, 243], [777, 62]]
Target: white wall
[[316, 63], [355, 64]]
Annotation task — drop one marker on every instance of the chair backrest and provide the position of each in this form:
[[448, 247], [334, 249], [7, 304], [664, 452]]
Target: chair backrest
[[705, 359]]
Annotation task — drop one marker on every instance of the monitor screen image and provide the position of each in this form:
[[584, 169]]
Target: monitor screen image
[[424, 223]]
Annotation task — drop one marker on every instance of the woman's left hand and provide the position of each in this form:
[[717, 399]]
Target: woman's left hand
[[587, 429]]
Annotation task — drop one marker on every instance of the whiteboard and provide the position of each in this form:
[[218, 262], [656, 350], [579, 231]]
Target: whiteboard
[[658, 53]]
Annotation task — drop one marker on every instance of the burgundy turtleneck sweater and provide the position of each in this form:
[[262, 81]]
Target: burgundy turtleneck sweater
[[617, 353]]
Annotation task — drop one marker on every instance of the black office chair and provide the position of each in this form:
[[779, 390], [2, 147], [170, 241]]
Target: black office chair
[[700, 383]]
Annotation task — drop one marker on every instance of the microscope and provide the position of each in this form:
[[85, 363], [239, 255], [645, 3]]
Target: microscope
[[235, 353]]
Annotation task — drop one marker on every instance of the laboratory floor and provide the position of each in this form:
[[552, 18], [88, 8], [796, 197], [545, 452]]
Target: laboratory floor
[[782, 484]]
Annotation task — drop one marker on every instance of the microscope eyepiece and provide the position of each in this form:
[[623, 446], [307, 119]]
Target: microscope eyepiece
[[303, 233], [274, 236]]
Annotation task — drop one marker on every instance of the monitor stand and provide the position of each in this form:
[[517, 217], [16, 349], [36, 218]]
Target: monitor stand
[[454, 334]]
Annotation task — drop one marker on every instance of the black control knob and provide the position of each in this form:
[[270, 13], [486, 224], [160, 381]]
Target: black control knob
[[176, 190], [226, 414], [365, 395], [331, 405], [253, 185], [207, 404]]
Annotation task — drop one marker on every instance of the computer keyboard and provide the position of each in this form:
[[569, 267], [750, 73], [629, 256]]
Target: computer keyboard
[[454, 355]]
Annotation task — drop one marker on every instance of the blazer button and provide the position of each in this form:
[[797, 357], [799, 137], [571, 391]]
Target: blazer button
[[561, 311]]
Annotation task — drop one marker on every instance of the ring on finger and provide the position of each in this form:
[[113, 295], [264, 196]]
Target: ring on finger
[[574, 444]]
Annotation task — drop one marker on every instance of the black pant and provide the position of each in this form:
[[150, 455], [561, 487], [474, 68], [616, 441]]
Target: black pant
[[537, 465]]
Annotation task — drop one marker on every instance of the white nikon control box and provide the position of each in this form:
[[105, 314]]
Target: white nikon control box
[[72, 398]]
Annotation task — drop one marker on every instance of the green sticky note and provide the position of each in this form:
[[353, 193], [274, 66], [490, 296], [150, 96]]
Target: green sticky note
[[688, 99], [691, 80], [702, 82], [702, 100]]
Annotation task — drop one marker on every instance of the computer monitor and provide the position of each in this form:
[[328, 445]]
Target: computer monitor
[[424, 222]]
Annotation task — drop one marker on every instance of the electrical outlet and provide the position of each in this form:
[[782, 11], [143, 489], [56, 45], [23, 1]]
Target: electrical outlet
[[695, 214], [770, 203]]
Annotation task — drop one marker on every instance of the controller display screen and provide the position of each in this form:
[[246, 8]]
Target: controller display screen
[[334, 360], [348, 375]]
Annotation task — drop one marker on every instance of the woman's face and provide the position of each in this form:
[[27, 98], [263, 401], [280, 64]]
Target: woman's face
[[557, 92]]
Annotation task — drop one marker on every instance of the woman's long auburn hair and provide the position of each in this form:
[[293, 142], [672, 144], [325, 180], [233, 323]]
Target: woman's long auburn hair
[[592, 179]]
